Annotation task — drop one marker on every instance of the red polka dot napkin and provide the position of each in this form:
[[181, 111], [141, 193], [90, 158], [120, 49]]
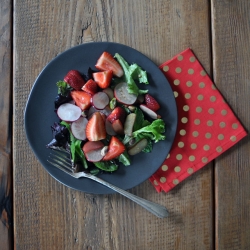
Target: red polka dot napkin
[[206, 127]]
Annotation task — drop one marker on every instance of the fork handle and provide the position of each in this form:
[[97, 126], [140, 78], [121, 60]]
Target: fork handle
[[156, 209]]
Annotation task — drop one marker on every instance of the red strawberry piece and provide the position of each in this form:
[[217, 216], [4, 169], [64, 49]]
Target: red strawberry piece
[[117, 113], [103, 79], [95, 129], [90, 87], [118, 127], [115, 148], [92, 145], [107, 62], [82, 99], [151, 102], [74, 79]]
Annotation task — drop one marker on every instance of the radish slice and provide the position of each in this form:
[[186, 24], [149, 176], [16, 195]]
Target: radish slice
[[109, 92], [122, 95], [94, 155], [69, 112], [92, 145], [100, 100], [91, 111], [106, 111], [148, 111], [78, 128], [109, 128]]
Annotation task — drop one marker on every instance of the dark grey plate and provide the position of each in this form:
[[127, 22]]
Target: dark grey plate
[[39, 115]]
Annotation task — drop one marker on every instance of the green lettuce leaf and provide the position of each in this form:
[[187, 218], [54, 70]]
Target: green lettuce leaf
[[112, 103], [139, 74], [124, 159], [75, 148], [154, 131], [63, 88], [139, 119], [106, 166], [128, 78], [79, 155], [149, 147]]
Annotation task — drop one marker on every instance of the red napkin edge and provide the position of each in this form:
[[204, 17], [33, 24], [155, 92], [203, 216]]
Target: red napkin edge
[[213, 155]]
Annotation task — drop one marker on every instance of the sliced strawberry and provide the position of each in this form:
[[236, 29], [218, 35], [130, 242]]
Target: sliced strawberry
[[115, 148], [117, 113], [103, 78], [151, 102], [92, 145], [107, 62], [90, 87], [74, 79], [95, 129], [82, 99]]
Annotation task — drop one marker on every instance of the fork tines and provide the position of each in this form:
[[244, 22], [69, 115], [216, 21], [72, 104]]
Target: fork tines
[[61, 160]]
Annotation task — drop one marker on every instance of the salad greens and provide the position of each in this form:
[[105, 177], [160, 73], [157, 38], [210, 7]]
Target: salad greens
[[152, 131], [75, 147], [63, 88], [124, 159], [132, 73], [108, 166]]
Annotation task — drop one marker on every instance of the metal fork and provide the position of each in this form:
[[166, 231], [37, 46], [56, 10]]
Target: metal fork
[[62, 161]]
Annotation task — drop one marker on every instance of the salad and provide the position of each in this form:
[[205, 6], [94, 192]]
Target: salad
[[106, 115]]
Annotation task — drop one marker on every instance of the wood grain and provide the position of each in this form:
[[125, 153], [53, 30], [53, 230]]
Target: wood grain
[[6, 226], [49, 215], [231, 33]]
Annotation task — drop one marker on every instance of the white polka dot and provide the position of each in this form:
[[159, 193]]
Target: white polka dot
[[155, 183], [185, 107], [178, 70], [176, 82], [162, 179], [179, 157], [164, 167], [165, 68], [184, 119], [175, 181], [177, 169], [191, 158]]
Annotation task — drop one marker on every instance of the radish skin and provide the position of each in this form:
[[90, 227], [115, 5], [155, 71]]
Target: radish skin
[[69, 112], [78, 128], [122, 95], [100, 100], [149, 112]]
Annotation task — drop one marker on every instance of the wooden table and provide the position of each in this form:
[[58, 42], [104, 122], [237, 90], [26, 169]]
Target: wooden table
[[210, 210]]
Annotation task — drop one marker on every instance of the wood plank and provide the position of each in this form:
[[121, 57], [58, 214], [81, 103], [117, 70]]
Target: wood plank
[[51, 216], [6, 225], [231, 33]]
